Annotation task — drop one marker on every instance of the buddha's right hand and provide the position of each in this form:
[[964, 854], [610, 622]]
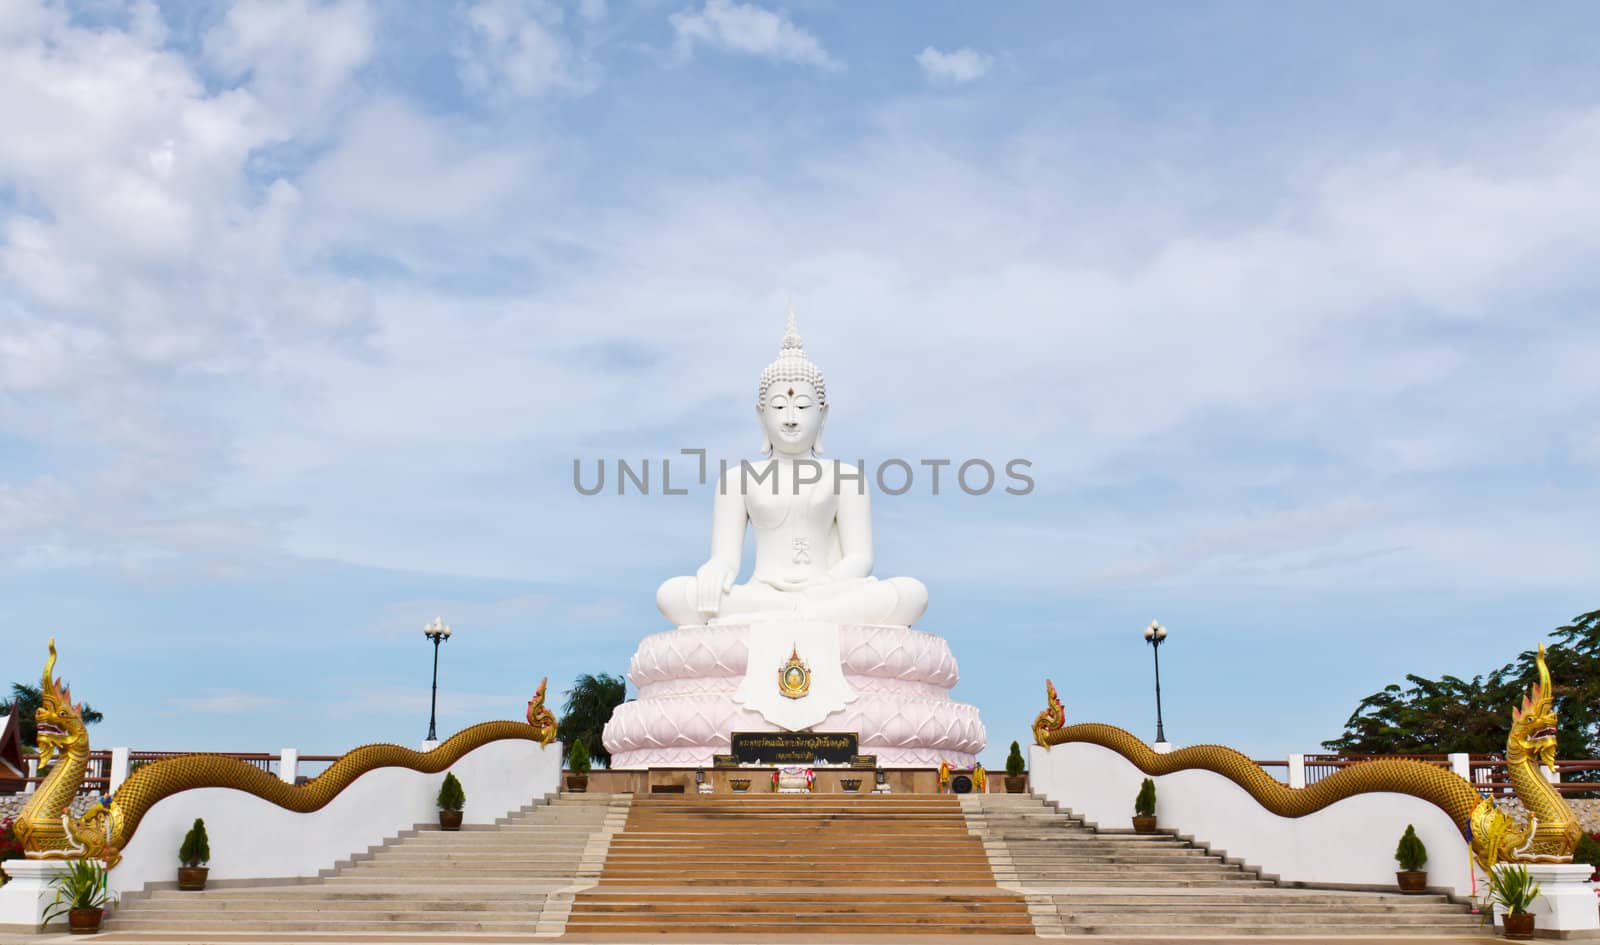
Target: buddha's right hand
[[710, 582]]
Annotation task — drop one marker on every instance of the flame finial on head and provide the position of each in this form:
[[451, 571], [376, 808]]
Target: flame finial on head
[[792, 366], [1541, 697]]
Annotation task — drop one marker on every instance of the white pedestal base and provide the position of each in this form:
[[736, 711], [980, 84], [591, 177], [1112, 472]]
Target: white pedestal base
[[1566, 902], [25, 898]]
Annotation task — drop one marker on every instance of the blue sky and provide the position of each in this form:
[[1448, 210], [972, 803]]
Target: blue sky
[[307, 308]]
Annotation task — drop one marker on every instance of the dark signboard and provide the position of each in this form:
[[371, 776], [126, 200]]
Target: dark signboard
[[794, 748]]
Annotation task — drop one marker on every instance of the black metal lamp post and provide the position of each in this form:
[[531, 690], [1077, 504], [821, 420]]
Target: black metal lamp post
[[1154, 635], [438, 633]]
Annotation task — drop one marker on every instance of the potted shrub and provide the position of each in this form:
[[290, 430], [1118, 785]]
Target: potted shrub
[[192, 854], [1016, 771], [451, 800], [1511, 891], [578, 764], [82, 895], [1144, 808], [1412, 856]]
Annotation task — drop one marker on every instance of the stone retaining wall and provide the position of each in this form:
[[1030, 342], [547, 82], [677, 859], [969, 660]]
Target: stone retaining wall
[[11, 804], [1587, 809]]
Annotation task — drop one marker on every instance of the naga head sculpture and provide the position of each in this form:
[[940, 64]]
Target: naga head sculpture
[[1533, 725], [59, 721]]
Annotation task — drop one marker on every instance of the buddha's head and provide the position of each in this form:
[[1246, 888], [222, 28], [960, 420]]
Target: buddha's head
[[792, 403]]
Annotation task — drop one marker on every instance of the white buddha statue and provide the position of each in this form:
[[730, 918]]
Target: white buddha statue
[[812, 518]]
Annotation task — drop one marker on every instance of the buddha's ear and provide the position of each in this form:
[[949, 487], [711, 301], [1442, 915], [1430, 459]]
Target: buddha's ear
[[816, 447], [766, 441]]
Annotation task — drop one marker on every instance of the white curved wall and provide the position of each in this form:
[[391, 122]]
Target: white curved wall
[[1351, 842], [252, 839]]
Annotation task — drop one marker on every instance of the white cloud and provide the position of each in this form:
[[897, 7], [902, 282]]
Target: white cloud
[[516, 49], [187, 346], [750, 30], [953, 68], [295, 54]]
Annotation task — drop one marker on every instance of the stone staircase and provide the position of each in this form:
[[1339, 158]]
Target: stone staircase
[[1081, 881], [515, 877], [626, 867], [759, 865]]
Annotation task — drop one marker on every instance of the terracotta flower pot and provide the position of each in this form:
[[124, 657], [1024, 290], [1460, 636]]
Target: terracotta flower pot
[[1412, 882], [1143, 824], [449, 820], [1016, 783], [192, 878], [84, 921], [578, 783], [1519, 926]]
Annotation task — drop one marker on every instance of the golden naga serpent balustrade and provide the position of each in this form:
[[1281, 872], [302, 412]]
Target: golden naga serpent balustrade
[[48, 830], [1493, 835]]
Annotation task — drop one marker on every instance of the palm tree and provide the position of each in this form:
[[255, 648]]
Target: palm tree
[[589, 705], [26, 701]]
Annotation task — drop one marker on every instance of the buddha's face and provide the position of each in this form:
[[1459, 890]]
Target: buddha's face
[[792, 418]]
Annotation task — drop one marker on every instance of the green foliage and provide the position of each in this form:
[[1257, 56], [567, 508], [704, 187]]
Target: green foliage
[[1411, 854], [196, 848], [1145, 804], [588, 708], [1511, 888], [1588, 850], [1015, 766], [1450, 714], [578, 760], [451, 797], [81, 886], [26, 700], [10, 846]]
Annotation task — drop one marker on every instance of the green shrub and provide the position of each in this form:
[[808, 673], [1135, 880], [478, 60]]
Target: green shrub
[[1015, 766], [1145, 804], [81, 886], [578, 760], [1588, 850], [451, 797], [1511, 888], [1411, 854], [196, 848]]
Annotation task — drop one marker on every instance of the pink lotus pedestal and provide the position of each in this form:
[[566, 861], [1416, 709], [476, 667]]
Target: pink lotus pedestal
[[696, 686]]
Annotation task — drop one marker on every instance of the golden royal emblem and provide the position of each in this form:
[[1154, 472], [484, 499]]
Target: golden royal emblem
[[794, 676]]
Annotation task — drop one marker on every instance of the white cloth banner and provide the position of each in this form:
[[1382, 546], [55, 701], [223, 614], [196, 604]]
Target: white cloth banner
[[770, 647]]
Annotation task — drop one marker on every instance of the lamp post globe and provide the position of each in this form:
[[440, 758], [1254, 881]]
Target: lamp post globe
[[1155, 635], [438, 632]]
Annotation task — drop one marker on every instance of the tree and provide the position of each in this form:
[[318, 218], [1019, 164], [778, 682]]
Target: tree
[[26, 700], [1449, 714], [588, 708]]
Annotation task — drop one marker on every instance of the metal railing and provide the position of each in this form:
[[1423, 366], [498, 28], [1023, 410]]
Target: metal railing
[[96, 774], [1320, 766]]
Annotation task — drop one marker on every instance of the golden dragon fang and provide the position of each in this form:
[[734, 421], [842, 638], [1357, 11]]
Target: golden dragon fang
[[48, 830], [1494, 836]]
